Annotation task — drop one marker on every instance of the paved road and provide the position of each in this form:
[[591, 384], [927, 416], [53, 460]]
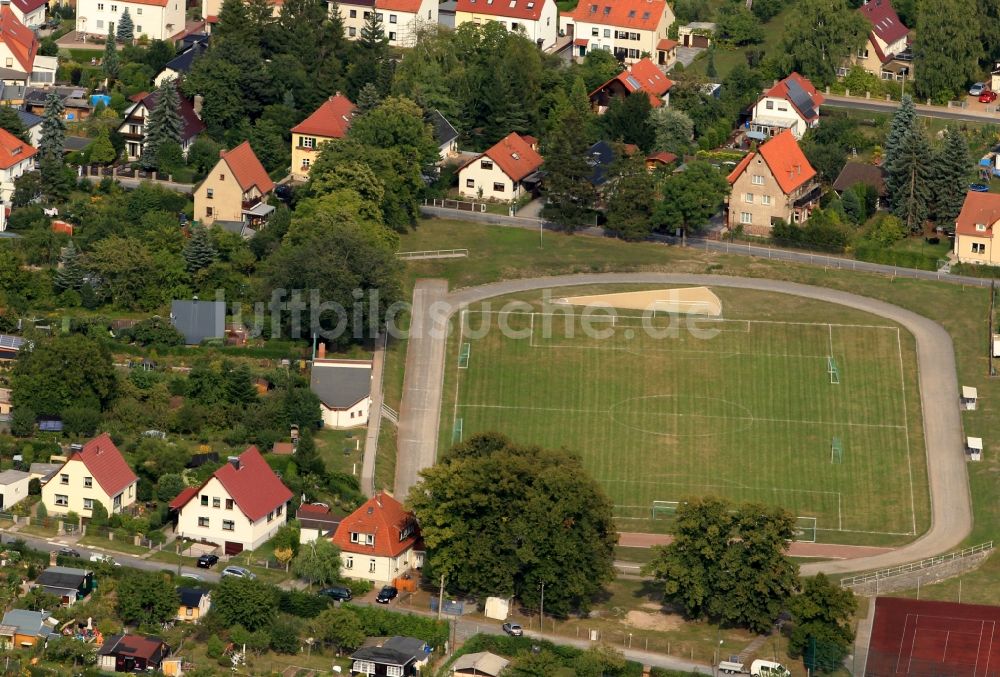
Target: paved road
[[374, 419], [877, 106], [420, 407], [951, 507]]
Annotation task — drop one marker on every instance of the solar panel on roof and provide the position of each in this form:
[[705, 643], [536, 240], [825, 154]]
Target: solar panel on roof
[[632, 81], [11, 342], [801, 99]]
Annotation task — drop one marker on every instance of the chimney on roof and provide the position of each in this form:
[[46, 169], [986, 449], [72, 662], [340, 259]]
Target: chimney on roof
[[234, 461], [335, 95]]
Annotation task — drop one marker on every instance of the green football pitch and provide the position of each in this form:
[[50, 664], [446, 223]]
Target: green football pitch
[[815, 417]]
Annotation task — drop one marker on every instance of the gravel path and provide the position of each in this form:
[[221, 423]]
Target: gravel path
[[951, 506]]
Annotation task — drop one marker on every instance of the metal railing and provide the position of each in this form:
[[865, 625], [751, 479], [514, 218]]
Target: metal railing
[[433, 254], [390, 413], [891, 572]]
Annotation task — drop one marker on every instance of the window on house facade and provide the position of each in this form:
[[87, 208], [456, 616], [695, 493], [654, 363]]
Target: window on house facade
[[392, 37], [607, 32], [863, 53], [229, 504], [765, 199], [100, 7], [64, 478], [189, 612], [354, 14], [594, 32], [88, 504], [228, 525], [498, 187], [470, 183], [758, 179], [308, 142], [349, 562], [270, 516], [364, 667], [209, 211], [280, 509], [392, 18], [746, 217], [139, 11], [748, 198], [305, 163], [366, 15], [978, 248], [114, 8], [486, 164], [393, 671], [203, 522], [371, 566], [204, 501], [138, 29], [352, 31], [10, 63], [980, 227], [222, 177], [429, 13], [633, 54], [209, 193], [62, 499], [216, 502], [100, 23], [769, 105]]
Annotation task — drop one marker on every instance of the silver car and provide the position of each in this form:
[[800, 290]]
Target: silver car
[[238, 572], [977, 89]]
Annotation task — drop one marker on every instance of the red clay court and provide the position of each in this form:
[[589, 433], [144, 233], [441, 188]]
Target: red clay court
[[933, 639]]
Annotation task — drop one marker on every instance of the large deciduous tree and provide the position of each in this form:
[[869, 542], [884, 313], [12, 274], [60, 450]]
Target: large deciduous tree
[[318, 562], [503, 519], [673, 130], [822, 614], [727, 563], [946, 49], [57, 373], [244, 601], [690, 198], [145, 597], [820, 37]]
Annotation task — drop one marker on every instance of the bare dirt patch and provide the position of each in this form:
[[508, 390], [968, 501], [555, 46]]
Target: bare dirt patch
[[658, 621]]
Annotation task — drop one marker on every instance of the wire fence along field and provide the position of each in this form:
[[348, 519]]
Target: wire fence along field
[[750, 410]]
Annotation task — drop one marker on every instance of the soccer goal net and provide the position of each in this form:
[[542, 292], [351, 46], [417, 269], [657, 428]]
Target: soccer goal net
[[664, 508], [456, 431], [833, 370], [463, 356], [836, 451], [805, 529]]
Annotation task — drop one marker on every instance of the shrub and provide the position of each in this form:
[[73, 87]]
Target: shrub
[[301, 604], [214, 646], [383, 623]]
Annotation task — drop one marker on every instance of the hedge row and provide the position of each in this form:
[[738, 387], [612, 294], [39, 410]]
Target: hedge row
[[892, 257]]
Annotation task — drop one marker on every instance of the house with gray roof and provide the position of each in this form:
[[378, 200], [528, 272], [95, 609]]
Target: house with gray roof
[[198, 320], [13, 487], [344, 390], [69, 584], [403, 656], [21, 628], [33, 125], [445, 134]]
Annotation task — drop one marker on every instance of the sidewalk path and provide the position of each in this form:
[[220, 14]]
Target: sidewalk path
[[374, 420], [951, 505], [883, 106]]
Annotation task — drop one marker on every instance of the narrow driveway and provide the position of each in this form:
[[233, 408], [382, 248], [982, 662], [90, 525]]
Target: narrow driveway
[[951, 506]]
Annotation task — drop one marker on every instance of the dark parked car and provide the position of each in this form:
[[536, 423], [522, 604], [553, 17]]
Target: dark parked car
[[386, 594], [338, 593], [979, 187], [513, 629], [69, 552], [207, 561]]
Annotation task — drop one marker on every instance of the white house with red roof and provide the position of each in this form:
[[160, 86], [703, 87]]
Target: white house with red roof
[[133, 129], [379, 541], [29, 12], [19, 52], [94, 473], [886, 50], [627, 28], [328, 122], [239, 507], [641, 76], [155, 19], [976, 228], [774, 182], [401, 19], [234, 193], [538, 20], [792, 104], [505, 172], [16, 158]]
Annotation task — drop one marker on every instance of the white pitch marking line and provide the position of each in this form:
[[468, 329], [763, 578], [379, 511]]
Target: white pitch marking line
[[906, 429]]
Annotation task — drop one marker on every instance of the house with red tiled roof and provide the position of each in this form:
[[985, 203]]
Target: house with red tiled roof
[[792, 103], [95, 472], [154, 19], [505, 172], [328, 122], [886, 52], [775, 182], [380, 541], [401, 19], [976, 227], [133, 128], [537, 20], [234, 193], [642, 76], [19, 55], [30, 12], [16, 158], [238, 508], [626, 28]]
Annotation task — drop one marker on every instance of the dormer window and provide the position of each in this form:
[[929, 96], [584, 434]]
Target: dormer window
[[631, 14], [980, 227], [645, 16], [362, 539]]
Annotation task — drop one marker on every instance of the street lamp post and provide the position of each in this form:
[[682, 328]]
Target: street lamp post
[[541, 611]]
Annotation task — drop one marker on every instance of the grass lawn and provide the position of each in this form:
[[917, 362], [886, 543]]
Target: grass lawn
[[726, 58], [919, 245], [117, 545], [385, 459], [637, 555], [749, 413], [341, 450]]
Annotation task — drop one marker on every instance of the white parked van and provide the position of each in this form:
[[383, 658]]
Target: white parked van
[[761, 668]]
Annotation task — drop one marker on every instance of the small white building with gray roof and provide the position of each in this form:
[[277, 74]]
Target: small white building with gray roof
[[13, 487], [344, 389]]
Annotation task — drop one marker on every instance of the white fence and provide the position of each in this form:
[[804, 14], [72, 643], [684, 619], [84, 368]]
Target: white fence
[[433, 254], [928, 563]]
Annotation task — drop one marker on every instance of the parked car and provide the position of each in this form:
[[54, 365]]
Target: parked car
[[338, 593], [386, 594], [69, 552], [191, 576], [979, 188], [207, 561], [513, 629], [104, 559], [977, 88], [987, 97], [238, 572]]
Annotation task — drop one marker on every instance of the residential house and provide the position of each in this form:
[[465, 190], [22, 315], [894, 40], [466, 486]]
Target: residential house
[[445, 135], [32, 125], [660, 159], [194, 604], [133, 129], [198, 321], [775, 182], [642, 76], [10, 347], [234, 194], [155, 19], [537, 20], [239, 507], [315, 521], [76, 106], [344, 390], [6, 404], [379, 541], [30, 12], [886, 52], [20, 62], [626, 28], [975, 228], [69, 584], [181, 64], [13, 487], [328, 122], [792, 104], [132, 653], [95, 472], [600, 156], [479, 664], [855, 173], [16, 158], [696, 34], [401, 19], [397, 656], [44, 472], [505, 172], [22, 629]]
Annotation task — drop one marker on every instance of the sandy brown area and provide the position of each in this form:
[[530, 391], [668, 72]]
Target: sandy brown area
[[656, 620], [691, 300]]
